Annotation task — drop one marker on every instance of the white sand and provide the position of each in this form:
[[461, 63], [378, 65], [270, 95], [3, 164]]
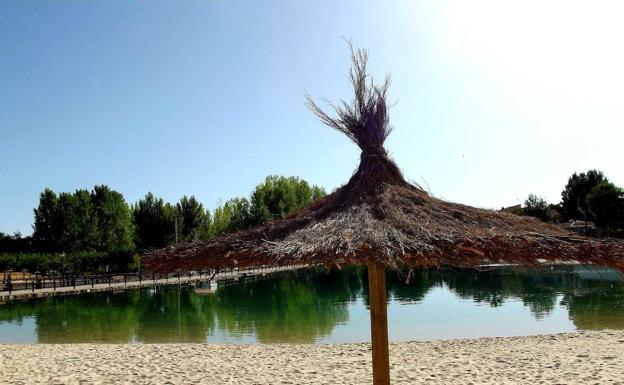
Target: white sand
[[577, 358]]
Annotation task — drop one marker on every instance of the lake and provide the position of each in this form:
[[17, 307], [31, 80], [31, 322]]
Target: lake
[[313, 306]]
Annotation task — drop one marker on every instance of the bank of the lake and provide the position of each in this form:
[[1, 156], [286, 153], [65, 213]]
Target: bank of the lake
[[48, 287], [574, 358]]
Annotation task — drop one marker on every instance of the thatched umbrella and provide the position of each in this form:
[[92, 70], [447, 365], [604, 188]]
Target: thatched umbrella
[[381, 220]]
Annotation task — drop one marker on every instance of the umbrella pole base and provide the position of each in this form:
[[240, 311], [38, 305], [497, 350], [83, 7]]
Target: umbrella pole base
[[379, 323]]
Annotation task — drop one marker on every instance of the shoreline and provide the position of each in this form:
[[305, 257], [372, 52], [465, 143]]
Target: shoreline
[[224, 276], [585, 357]]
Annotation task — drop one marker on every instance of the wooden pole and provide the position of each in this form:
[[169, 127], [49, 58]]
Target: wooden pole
[[379, 323]]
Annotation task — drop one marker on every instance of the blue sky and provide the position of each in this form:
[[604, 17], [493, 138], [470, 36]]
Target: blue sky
[[494, 100]]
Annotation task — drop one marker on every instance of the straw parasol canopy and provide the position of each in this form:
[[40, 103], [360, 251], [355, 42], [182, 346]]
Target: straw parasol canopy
[[380, 219], [379, 215]]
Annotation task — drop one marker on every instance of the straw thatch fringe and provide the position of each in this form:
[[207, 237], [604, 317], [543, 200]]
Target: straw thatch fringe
[[402, 228]]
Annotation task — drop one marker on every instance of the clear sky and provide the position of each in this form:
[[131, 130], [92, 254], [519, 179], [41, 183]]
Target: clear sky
[[494, 99]]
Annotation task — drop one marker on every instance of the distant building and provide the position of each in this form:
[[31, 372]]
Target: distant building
[[580, 227]]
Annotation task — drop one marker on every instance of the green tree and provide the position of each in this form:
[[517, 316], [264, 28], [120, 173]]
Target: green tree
[[76, 222], [279, 196], [114, 221], [99, 220], [318, 192], [221, 219], [239, 212], [535, 206], [190, 215], [204, 231], [15, 243], [606, 203], [574, 203], [153, 222], [5, 243], [85, 229], [45, 229]]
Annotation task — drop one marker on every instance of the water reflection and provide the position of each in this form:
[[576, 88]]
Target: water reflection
[[310, 306]]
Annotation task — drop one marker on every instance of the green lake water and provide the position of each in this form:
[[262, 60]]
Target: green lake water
[[313, 306]]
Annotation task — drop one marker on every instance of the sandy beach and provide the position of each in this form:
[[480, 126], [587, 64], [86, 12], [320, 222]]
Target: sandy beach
[[575, 358]]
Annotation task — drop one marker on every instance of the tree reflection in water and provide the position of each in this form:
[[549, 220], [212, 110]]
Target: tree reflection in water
[[305, 306]]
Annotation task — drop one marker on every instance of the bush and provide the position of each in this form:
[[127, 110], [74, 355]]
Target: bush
[[72, 263], [537, 207]]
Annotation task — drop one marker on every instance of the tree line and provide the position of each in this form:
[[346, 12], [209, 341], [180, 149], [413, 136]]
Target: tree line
[[587, 196], [98, 228]]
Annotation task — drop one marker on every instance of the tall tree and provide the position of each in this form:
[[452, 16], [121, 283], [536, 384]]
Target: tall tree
[[606, 203], [114, 221], [75, 222], [64, 222], [204, 231], [84, 222], [574, 203], [153, 221], [279, 196], [221, 221], [240, 214], [190, 215], [231, 216], [45, 228]]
